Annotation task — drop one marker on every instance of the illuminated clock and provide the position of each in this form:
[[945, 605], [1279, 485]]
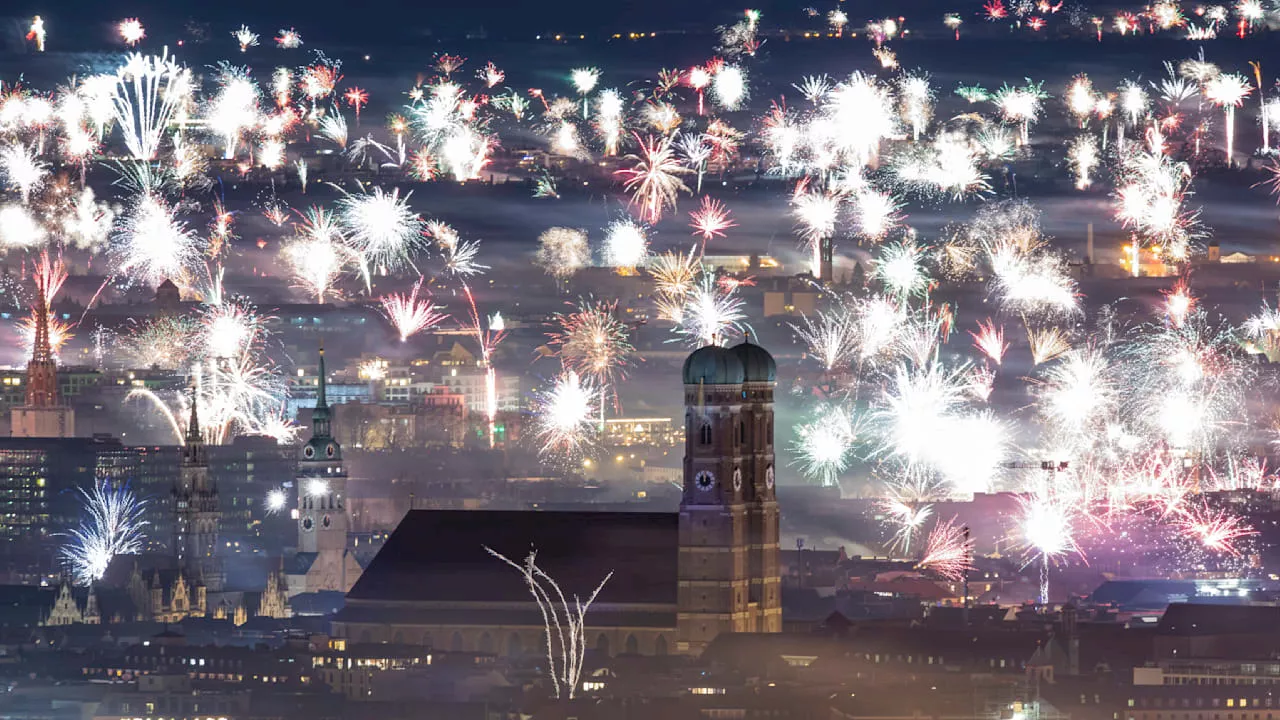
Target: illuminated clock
[[704, 480], [308, 452], [330, 449], [307, 523], [737, 479], [326, 521], [768, 477]]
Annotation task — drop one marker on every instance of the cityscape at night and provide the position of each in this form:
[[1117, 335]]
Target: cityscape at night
[[511, 361]]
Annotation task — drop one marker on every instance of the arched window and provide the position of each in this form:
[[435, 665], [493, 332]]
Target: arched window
[[660, 647], [704, 433], [514, 647], [633, 645], [602, 644], [455, 644], [486, 643], [742, 431]]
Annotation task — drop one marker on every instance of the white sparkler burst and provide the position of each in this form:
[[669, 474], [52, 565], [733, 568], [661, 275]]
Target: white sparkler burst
[[19, 229], [246, 38], [23, 170], [626, 246], [1020, 106], [875, 213], [131, 31], [712, 312], [908, 518], [148, 91], [857, 115], [915, 102], [1084, 159], [562, 252], [289, 39], [316, 255], [111, 525], [151, 244], [824, 444], [565, 420], [729, 87], [831, 337], [276, 501], [900, 266], [234, 108], [382, 228], [411, 314]]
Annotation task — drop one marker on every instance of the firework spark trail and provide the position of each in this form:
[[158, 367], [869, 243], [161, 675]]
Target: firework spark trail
[[907, 518], [410, 314], [148, 91], [594, 343], [564, 624], [654, 180], [990, 340], [111, 525], [948, 551], [711, 219], [831, 337]]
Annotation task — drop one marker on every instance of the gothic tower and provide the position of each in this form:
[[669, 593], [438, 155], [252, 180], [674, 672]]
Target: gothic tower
[[42, 415], [728, 564], [197, 517], [322, 514]]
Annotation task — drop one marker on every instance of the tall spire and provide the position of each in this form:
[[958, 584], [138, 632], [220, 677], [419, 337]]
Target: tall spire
[[321, 401], [194, 452], [42, 370], [193, 424], [320, 416]]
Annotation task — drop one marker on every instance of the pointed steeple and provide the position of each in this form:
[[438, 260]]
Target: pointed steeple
[[320, 416], [193, 450], [193, 424], [42, 370]]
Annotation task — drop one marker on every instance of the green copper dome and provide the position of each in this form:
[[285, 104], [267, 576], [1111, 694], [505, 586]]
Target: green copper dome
[[712, 365]]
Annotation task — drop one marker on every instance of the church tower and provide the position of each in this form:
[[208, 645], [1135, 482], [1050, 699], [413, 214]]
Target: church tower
[[42, 415], [728, 564], [322, 514], [197, 517]]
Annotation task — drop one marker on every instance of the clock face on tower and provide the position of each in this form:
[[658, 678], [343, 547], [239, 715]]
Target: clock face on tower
[[330, 450], [704, 480], [768, 477], [326, 521], [307, 523], [308, 452], [737, 479]]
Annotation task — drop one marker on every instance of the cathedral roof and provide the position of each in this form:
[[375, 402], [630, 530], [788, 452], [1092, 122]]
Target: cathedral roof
[[757, 363], [439, 556], [713, 365]]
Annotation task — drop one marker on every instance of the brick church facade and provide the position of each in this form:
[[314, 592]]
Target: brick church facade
[[679, 579]]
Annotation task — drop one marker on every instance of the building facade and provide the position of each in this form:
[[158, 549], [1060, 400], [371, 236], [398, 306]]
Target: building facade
[[676, 581], [197, 517], [43, 415], [323, 562]]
